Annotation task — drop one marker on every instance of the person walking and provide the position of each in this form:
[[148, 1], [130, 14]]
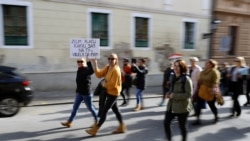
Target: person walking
[[224, 79], [179, 104], [83, 91], [208, 82], [236, 84], [194, 73], [126, 81], [167, 75], [113, 84], [141, 70]]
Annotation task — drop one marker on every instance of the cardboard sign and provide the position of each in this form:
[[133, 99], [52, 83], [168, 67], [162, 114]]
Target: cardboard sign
[[84, 48]]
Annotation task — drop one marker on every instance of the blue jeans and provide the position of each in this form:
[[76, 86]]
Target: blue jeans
[[88, 102], [139, 96]]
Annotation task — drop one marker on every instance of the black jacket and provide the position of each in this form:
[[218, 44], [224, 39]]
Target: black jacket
[[83, 79], [141, 72], [236, 87], [166, 77]]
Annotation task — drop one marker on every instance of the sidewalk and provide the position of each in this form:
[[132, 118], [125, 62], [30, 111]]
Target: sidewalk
[[42, 98]]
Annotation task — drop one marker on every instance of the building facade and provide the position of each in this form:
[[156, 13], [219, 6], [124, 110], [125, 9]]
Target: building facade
[[234, 26], [36, 34]]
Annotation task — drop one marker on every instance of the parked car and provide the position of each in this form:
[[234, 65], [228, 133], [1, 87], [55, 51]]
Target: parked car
[[15, 91]]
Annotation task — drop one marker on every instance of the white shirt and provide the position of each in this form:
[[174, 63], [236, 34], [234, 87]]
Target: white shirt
[[195, 75]]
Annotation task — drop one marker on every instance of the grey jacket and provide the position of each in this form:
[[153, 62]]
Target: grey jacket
[[181, 101]]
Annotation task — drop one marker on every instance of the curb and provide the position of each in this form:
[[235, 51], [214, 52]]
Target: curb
[[38, 103]]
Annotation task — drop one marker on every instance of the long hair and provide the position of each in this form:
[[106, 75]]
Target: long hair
[[182, 65]]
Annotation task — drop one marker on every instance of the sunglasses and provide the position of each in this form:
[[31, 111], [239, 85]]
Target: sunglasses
[[79, 61], [111, 59]]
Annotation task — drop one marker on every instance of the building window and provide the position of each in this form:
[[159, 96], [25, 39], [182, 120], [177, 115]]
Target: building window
[[16, 24], [141, 32], [233, 35], [100, 28], [189, 35]]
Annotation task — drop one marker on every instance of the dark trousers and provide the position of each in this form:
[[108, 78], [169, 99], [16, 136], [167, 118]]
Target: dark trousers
[[236, 105], [125, 93], [109, 102], [200, 104], [102, 101], [248, 91], [182, 119], [235, 89], [164, 90]]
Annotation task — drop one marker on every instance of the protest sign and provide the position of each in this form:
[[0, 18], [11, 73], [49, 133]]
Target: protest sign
[[84, 48]]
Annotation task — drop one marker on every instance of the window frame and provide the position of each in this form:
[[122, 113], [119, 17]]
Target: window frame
[[183, 31], [29, 17], [133, 30], [89, 25]]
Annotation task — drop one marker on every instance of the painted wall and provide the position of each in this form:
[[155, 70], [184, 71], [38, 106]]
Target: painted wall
[[56, 21]]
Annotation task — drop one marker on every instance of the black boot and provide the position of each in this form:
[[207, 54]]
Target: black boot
[[216, 119], [124, 103]]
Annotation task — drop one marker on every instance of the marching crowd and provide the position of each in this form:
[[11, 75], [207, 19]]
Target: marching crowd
[[208, 85], [187, 88]]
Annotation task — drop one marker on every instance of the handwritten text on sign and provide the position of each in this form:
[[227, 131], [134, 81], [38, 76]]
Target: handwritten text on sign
[[82, 48]]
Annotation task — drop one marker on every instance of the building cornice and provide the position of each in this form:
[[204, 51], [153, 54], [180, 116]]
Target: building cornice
[[128, 7], [232, 12]]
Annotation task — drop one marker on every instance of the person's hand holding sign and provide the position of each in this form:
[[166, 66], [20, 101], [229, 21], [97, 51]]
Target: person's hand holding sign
[[94, 61]]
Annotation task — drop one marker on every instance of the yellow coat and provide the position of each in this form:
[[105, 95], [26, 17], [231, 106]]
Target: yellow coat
[[113, 81]]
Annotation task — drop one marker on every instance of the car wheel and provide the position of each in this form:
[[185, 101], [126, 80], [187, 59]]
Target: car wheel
[[9, 106]]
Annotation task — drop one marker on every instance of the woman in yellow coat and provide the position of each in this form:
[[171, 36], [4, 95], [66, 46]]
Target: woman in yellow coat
[[113, 84]]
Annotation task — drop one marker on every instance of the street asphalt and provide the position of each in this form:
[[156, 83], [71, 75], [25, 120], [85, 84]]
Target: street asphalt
[[227, 129]]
